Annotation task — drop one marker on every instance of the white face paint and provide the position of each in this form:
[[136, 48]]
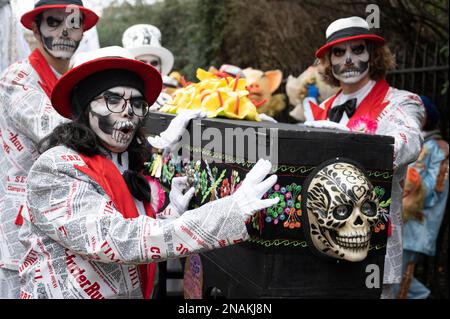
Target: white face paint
[[350, 61], [61, 32], [150, 59], [116, 130]]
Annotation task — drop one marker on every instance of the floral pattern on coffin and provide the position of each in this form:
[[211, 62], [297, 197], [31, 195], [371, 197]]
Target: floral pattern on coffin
[[282, 221]]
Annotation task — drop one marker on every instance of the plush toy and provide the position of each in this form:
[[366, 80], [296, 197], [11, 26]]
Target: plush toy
[[307, 84], [261, 85]]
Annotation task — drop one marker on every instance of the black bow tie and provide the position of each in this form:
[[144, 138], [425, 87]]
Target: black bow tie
[[335, 113]]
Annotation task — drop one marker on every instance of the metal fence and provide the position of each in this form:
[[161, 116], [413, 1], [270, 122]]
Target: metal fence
[[423, 69]]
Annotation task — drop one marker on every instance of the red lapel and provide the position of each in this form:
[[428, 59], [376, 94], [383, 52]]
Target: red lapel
[[47, 76], [371, 106], [108, 176], [322, 113]]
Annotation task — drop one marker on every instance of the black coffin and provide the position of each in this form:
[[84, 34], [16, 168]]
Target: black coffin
[[277, 261]]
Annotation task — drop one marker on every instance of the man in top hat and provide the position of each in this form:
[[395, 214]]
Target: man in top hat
[[356, 61], [144, 43], [27, 116]]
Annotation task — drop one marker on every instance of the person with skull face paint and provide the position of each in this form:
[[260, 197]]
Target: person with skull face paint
[[144, 42], [90, 213], [28, 116], [356, 60]]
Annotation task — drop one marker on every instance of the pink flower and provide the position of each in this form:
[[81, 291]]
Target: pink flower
[[157, 194], [225, 188], [364, 124]]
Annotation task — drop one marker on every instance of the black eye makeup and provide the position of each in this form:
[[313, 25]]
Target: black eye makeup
[[359, 49], [338, 52], [53, 22]]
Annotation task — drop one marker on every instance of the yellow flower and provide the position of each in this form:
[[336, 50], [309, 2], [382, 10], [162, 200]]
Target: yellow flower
[[216, 95]]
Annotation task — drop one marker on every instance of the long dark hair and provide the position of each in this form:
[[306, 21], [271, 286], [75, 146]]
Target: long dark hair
[[78, 136]]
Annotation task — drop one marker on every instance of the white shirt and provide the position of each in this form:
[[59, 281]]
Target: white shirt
[[360, 95]]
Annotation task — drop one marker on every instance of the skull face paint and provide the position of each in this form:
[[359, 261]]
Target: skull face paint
[[61, 32], [116, 130], [150, 59], [342, 207], [350, 61]]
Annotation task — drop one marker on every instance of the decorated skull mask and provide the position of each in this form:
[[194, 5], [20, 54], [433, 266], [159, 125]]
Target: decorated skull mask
[[341, 207]]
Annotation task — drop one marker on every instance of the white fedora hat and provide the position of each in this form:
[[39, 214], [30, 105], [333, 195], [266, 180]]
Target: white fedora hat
[[143, 39], [347, 29]]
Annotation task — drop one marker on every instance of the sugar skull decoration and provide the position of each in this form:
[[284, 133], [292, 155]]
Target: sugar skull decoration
[[341, 207]]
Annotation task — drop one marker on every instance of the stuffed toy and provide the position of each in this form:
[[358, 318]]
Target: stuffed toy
[[261, 86], [307, 84]]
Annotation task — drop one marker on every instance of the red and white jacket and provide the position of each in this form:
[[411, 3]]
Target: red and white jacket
[[26, 117], [85, 237], [398, 114]]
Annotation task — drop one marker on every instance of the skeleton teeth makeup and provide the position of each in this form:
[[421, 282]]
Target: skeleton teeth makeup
[[350, 61], [341, 209], [116, 130], [61, 32]]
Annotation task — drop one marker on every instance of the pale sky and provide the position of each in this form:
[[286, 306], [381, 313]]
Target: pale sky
[[23, 6]]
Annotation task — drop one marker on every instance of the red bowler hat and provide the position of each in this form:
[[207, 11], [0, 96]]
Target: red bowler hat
[[348, 29], [89, 17], [108, 58]]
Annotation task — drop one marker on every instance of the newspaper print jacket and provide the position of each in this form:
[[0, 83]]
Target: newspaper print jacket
[[401, 118], [26, 116], [80, 246]]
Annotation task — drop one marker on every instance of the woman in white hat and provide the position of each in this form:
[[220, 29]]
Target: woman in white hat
[[144, 43], [356, 61], [91, 230]]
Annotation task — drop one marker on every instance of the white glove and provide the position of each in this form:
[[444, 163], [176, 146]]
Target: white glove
[[170, 137], [179, 201], [266, 118], [248, 195], [327, 125]]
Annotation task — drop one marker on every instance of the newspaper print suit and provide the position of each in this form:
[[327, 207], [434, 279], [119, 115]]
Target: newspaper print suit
[[26, 117], [80, 246]]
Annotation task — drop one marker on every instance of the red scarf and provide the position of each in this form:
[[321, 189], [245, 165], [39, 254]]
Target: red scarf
[[47, 76], [371, 106], [107, 175]]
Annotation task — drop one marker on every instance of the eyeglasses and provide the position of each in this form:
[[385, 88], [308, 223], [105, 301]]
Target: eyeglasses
[[116, 104]]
